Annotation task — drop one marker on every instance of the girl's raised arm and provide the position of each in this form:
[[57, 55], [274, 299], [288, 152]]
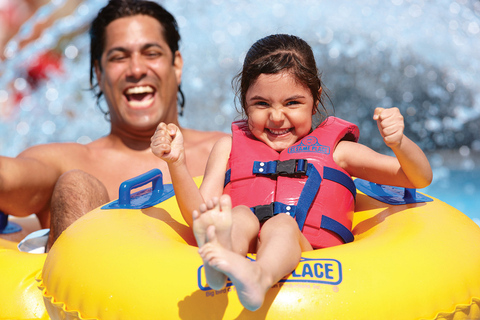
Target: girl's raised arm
[[167, 144], [410, 168]]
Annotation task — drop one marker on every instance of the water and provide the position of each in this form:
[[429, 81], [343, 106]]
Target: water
[[415, 55], [458, 188]]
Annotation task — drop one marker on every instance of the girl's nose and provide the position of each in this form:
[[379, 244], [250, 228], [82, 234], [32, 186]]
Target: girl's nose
[[276, 115]]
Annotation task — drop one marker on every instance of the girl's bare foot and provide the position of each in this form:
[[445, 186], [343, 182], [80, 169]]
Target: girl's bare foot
[[247, 276], [214, 221], [217, 212]]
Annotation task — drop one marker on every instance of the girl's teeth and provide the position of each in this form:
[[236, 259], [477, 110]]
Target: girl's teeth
[[278, 132]]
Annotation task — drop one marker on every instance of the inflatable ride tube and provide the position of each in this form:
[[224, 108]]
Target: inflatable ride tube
[[20, 297], [410, 261], [131, 260]]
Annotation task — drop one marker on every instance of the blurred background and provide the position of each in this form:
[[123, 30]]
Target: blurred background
[[420, 56]]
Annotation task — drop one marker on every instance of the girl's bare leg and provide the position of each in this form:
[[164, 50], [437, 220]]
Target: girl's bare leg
[[280, 247]]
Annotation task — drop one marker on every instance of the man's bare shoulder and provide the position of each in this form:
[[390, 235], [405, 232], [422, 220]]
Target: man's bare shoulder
[[198, 145], [199, 135], [49, 150], [68, 155], [62, 156], [204, 139]]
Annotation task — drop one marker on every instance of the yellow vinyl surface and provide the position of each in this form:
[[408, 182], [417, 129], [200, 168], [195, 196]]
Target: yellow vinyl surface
[[417, 261]]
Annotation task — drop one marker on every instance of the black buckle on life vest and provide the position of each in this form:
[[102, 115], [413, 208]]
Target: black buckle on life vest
[[292, 167], [264, 212]]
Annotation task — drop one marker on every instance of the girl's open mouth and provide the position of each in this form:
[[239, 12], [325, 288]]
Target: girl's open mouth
[[278, 132]]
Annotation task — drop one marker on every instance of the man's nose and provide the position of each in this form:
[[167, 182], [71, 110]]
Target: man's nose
[[137, 67]]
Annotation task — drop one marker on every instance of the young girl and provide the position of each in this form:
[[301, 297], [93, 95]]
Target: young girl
[[275, 164]]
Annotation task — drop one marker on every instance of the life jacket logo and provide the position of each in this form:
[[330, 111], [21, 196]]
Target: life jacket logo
[[324, 271], [309, 144]]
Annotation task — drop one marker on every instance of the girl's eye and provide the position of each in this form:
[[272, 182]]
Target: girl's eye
[[292, 103], [261, 104]]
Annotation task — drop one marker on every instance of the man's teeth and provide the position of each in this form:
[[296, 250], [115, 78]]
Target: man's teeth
[[139, 90]]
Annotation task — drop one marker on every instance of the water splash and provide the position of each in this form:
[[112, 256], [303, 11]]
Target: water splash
[[415, 55], [420, 56]]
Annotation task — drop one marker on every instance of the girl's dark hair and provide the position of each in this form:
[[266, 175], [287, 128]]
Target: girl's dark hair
[[274, 54], [116, 9]]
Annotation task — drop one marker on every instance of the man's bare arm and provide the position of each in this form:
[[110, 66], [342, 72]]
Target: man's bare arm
[[27, 182]]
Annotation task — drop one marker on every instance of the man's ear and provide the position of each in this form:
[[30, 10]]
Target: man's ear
[[178, 66]]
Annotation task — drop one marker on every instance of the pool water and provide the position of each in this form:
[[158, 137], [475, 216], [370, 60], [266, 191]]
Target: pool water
[[458, 188]]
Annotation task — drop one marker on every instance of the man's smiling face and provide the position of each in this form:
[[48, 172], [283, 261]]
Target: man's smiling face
[[139, 75]]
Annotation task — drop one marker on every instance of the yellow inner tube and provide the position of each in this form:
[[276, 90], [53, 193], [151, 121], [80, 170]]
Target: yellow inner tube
[[415, 261]]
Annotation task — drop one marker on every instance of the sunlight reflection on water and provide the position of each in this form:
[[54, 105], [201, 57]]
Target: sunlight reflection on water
[[415, 55]]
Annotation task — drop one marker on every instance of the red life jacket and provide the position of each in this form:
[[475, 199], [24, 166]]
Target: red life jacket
[[302, 180]]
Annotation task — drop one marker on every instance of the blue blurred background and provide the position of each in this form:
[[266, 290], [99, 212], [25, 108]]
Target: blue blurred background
[[420, 56]]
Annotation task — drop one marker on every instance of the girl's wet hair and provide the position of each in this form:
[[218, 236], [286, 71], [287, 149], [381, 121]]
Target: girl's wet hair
[[116, 9], [277, 53]]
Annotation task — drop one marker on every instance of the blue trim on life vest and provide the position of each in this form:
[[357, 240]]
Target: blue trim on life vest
[[264, 167], [228, 176], [288, 168], [338, 228], [279, 207], [341, 178], [309, 191]]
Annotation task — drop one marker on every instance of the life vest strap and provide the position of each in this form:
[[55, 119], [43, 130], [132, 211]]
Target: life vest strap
[[291, 167], [305, 200], [309, 191], [228, 176], [338, 228], [299, 167], [267, 211], [341, 178]]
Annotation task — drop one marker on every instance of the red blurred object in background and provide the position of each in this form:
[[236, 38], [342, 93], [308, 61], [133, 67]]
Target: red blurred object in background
[[45, 63]]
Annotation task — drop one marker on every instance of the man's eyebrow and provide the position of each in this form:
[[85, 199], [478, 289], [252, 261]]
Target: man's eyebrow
[[144, 47]]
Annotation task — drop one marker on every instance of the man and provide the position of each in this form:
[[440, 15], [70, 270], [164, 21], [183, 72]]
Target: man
[[138, 68]]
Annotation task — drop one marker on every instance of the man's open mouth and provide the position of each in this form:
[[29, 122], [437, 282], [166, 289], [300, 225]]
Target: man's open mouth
[[140, 97]]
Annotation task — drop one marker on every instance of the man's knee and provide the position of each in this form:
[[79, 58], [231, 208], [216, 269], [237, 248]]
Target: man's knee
[[79, 186], [76, 193]]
